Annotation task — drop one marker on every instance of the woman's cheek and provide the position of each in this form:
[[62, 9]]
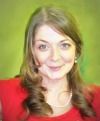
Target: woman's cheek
[[68, 59], [42, 58]]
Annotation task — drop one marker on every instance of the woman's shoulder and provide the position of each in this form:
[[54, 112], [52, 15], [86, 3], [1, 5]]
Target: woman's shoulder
[[9, 83], [11, 87], [96, 99], [96, 91], [11, 96], [96, 95]]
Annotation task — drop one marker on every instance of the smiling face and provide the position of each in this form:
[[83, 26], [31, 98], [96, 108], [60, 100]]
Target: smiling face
[[53, 52]]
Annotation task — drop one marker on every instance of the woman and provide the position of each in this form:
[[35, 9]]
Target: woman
[[49, 87]]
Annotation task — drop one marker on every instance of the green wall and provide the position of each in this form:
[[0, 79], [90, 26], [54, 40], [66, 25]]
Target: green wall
[[14, 15]]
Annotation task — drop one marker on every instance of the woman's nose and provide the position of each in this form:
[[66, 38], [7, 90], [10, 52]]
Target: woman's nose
[[55, 54]]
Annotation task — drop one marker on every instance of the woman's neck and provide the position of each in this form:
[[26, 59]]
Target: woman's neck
[[55, 85], [57, 91], [58, 95]]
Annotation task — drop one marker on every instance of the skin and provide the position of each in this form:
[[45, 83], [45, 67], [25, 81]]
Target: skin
[[55, 55]]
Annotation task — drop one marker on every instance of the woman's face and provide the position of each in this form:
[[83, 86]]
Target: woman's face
[[53, 52]]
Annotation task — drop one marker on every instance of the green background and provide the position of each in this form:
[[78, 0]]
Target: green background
[[14, 15]]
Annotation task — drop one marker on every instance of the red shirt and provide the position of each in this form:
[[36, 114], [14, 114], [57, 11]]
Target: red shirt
[[12, 96]]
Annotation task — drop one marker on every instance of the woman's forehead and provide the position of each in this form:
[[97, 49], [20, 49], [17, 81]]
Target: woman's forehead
[[47, 33]]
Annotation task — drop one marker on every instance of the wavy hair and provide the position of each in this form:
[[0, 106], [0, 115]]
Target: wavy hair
[[64, 23]]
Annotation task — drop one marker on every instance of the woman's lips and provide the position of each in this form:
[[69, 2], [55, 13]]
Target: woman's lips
[[57, 68]]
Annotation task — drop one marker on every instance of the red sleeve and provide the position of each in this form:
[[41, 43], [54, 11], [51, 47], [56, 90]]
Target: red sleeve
[[96, 100], [11, 97]]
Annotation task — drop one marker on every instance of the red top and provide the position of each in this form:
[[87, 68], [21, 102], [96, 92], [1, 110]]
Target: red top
[[12, 96]]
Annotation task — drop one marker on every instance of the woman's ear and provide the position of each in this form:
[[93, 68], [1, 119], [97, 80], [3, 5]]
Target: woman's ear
[[75, 59]]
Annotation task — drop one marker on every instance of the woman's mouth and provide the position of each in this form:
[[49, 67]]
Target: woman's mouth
[[55, 68]]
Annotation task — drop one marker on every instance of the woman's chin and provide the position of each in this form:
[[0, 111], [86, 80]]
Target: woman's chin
[[56, 77]]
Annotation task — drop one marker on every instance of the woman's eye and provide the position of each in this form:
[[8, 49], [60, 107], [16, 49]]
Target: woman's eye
[[65, 45], [43, 47]]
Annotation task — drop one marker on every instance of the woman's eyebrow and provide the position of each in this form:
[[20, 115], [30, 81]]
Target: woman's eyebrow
[[41, 40], [64, 40]]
